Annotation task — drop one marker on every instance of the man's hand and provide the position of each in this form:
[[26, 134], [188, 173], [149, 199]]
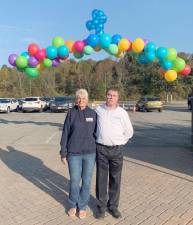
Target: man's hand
[[63, 160]]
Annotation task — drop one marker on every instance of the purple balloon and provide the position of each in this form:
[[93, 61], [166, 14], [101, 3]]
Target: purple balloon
[[33, 62], [55, 62], [12, 59], [146, 41]]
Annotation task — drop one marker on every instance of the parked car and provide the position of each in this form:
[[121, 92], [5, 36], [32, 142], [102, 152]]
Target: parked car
[[62, 103], [48, 101], [146, 104], [8, 104], [30, 104], [189, 101]]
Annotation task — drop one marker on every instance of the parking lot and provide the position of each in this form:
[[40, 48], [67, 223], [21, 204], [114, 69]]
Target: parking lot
[[157, 185]]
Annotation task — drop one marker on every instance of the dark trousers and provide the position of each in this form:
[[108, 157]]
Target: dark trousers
[[109, 163]]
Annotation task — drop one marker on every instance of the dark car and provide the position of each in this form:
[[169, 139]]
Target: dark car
[[146, 104], [62, 103], [48, 101], [189, 101]]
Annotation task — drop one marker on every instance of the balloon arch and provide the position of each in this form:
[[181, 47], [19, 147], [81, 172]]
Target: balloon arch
[[36, 59]]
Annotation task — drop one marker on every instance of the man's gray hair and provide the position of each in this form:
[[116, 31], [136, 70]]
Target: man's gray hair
[[82, 92]]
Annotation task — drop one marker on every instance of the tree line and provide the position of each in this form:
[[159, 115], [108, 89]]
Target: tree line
[[131, 78]]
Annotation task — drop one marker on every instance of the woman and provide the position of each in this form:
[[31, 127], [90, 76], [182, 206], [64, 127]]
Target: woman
[[79, 148]]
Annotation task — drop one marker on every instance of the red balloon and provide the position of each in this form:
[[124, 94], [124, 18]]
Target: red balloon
[[33, 49], [186, 71], [162, 71], [40, 54], [78, 46]]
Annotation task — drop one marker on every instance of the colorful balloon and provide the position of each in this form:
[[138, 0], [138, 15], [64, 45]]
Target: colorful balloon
[[88, 50], [170, 75], [21, 62], [58, 41], [69, 44], [105, 40], [63, 51], [124, 44], [166, 64], [33, 61], [92, 40], [25, 54], [40, 54], [33, 48], [47, 62], [12, 59], [116, 38], [113, 49], [138, 45], [186, 71], [178, 64], [150, 47], [51, 52], [161, 53], [78, 46], [172, 54], [32, 72]]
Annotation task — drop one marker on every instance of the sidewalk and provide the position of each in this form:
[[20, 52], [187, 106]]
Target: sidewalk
[[34, 188]]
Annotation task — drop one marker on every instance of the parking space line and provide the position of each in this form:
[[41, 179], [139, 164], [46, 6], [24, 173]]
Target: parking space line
[[50, 138]]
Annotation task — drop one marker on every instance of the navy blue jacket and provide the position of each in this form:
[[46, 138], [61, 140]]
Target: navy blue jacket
[[78, 136]]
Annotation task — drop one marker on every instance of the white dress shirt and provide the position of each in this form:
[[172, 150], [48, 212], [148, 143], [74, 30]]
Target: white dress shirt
[[113, 126]]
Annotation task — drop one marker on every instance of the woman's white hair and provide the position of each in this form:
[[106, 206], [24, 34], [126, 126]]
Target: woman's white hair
[[82, 93]]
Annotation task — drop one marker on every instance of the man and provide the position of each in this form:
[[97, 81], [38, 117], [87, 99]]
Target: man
[[114, 129]]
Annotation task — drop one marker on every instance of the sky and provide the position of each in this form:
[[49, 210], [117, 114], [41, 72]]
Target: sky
[[168, 23]]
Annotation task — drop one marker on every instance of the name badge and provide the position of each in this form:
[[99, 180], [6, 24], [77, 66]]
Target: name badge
[[89, 119]]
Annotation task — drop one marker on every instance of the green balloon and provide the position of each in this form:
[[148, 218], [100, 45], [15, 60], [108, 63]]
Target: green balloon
[[32, 72], [78, 55], [113, 49], [58, 41], [172, 54], [178, 64], [21, 62], [88, 50], [47, 62]]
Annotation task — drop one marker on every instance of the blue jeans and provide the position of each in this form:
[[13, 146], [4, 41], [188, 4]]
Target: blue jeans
[[80, 167]]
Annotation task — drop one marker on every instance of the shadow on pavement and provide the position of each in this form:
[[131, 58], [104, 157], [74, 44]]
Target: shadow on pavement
[[165, 145], [35, 171]]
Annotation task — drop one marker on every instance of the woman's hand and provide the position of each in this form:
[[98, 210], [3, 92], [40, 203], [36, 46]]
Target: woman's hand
[[63, 160]]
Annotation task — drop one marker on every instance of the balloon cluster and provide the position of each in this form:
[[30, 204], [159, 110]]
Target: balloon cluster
[[97, 22], [36, 59]]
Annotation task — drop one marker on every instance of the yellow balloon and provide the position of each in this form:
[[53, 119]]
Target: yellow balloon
[[170, 75], [69, 44], [124, 44], [138, 45], [119, 54], [40, 66]]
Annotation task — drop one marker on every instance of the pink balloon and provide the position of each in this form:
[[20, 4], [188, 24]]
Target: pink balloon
[[79, 46], [40, 54]]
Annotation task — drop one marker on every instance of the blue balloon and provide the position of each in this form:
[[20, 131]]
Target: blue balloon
[[92, 40], [95, 22], [63, 51], [51, 52], [142, 59], [150, 56], [105, 40], [116, 38], [150, 47], [26, 55], [89, 25], [94, 13], [103, 19], [161, 53], [99, 33], [166, 64], [100, 13]]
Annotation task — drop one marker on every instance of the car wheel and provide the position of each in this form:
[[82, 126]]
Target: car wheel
[[159, 110], [17, 109], [8, 110], [143, 109]]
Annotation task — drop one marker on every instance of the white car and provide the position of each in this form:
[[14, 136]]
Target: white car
[[30, 104], [8, 104]]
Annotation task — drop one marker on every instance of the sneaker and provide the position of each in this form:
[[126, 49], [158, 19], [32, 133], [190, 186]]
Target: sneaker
[[115, 213]]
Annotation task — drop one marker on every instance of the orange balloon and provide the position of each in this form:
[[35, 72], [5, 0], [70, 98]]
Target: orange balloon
[[97, 48], [124, 44], [40, 66], [69, 44]]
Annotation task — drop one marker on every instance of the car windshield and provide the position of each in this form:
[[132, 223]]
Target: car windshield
[[4, 100], [153, 99], [31, 99]]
